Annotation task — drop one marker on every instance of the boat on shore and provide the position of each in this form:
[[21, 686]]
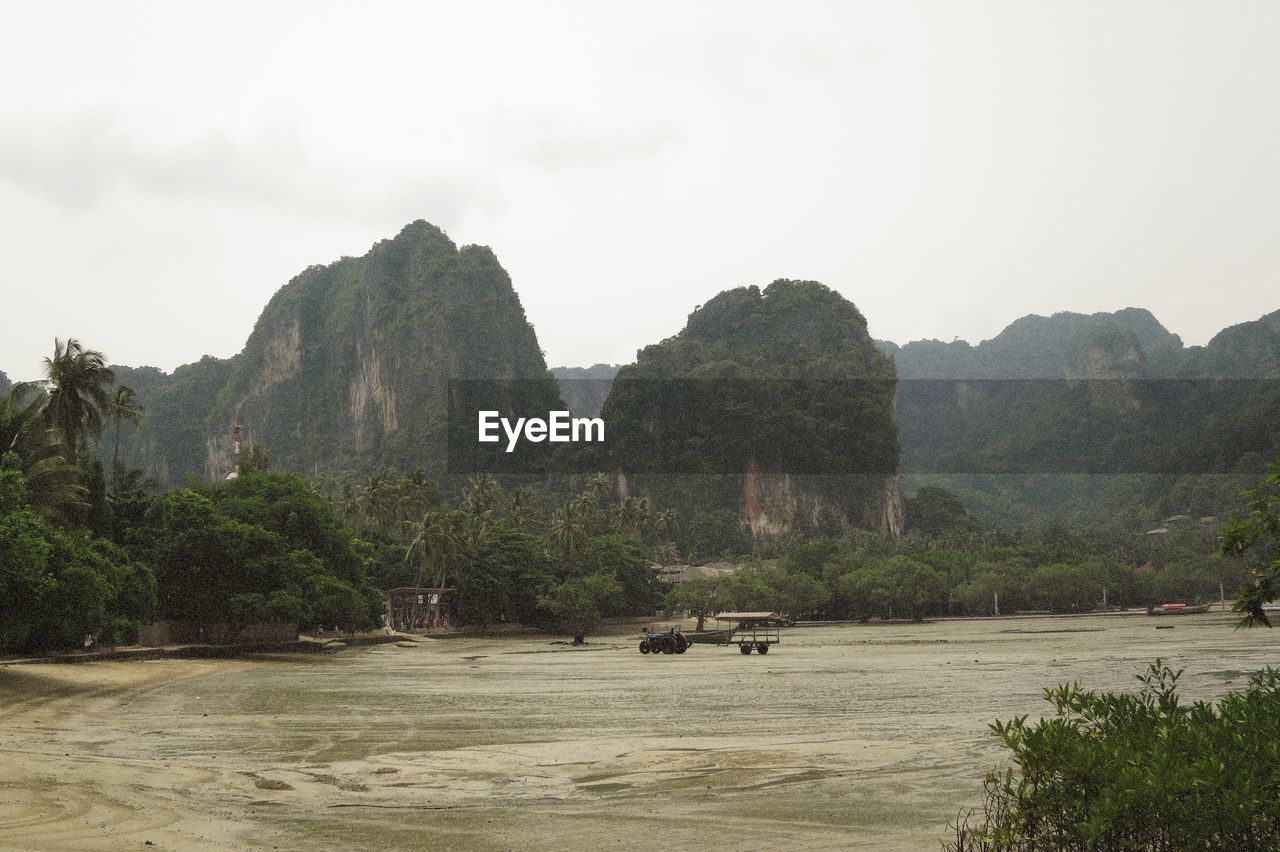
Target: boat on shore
[[1178, 609]]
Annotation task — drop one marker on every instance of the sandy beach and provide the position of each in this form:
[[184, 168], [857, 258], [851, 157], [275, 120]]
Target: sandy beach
[[855, 737]]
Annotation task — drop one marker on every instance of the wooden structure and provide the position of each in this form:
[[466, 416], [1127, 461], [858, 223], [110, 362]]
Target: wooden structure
[[413, 608], [750, 631]]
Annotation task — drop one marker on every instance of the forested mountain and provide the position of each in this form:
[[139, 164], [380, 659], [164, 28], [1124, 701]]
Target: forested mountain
[[772, 408], [1091, 418], [1129, 342], [1070, 417], [348, 366]]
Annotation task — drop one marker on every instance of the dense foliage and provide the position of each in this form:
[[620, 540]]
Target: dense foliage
[[1115, 771], [1255, 541], [58, 585], [962, 572]]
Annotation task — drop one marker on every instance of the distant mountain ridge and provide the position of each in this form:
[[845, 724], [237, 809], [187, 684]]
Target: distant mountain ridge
[[1129, 342], [1057, 347], [349, 368], [584, 389]]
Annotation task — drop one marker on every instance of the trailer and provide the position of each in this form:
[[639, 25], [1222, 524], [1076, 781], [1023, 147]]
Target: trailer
[[753, 631]]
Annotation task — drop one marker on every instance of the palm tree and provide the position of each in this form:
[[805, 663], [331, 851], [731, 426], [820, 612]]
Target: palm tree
[[122, 405], [379, 500], [599, 486], [627, 515], [567, 529], [483, 494], [78, 381], [54, 486], [667, 523], [134, 482], [643, 516], [436, 539], [523, 509]]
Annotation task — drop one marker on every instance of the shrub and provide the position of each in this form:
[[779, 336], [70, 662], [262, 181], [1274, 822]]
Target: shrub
[[1137, 771]]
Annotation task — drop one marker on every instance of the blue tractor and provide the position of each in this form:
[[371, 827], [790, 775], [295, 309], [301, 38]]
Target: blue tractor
[[663, 639]]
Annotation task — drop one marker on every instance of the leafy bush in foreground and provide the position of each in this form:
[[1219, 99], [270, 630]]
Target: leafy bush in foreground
[[1137, 772]]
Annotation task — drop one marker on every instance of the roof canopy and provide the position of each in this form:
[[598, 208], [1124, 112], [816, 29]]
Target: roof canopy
[[748, 616]]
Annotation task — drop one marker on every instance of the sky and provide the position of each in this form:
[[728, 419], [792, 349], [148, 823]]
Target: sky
[[947, 166]]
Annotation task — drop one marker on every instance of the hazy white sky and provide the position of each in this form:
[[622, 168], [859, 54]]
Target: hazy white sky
[[947, 166]]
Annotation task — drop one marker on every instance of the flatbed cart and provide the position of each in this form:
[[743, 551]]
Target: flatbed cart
[[753, 631]]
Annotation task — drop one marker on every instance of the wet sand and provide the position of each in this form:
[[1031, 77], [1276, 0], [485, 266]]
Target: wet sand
[[861, 737]]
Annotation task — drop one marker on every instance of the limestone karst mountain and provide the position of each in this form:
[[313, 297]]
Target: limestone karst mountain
[[349, 365], [773, 405]]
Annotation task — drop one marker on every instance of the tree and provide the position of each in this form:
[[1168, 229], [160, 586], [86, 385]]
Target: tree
[[54, 486], [567, 529], [575, 604], [482, 495], [79, 383], [667, 524], [1136, 771], [435, 539], [1255, 541], [254, 460], [378, 500], [502, 579], [1064, 587], [898, 587], [935, 511], [56, 587], [699, 597], [523, 511], [626, 560], [122, 406]]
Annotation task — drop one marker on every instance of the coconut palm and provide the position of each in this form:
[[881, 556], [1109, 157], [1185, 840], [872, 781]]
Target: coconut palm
[[643, 516], [523, 508], [121, 406], [29, 443], [379, 500], [79, 384], [667, 523], [599, 486], [567, 529], [483, 494], [435, 541], [627, 515]]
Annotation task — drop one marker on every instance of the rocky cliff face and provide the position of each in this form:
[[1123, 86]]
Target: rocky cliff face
[[774, 504], [775, 404], [348, 365]]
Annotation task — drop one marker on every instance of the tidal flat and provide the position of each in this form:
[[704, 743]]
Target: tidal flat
[[856, 736]]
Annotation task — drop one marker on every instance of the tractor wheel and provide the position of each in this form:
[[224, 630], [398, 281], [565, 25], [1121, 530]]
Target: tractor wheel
[[644, 646], [744, 649], [669, 646], [763, 648], [682, 645]]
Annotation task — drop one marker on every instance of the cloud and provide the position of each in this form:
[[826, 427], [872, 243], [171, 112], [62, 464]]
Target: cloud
[[81, 160]]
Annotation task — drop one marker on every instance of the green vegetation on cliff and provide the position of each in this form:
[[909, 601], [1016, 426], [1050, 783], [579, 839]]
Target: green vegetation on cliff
[[348, 367], [774, 405], [1087, 419]]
